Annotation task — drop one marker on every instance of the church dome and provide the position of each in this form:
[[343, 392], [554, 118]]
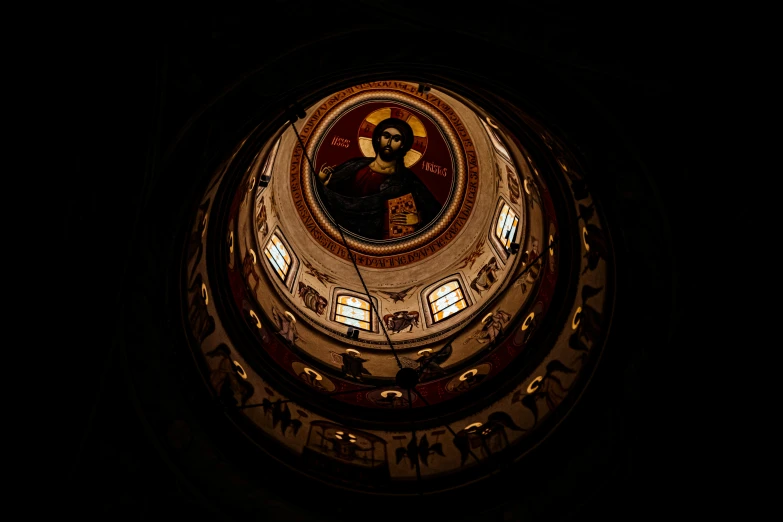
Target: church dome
[[397, 320]]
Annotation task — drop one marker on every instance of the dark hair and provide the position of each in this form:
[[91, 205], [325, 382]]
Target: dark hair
[[400, 125]]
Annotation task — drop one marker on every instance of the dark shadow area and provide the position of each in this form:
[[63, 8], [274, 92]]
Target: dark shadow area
[[132, 94]]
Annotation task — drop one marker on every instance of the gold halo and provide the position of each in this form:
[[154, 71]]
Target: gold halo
[[474, 425], [471, 372], [551, 247], [386, 393], [231, 242], [426, 350], [204, 293], [575, 321], [484, 320], [584, 239], [310, 371], [411, 157], [534, 382], [491, 123], [290, 316], [242, 372], [529, 318], [527, 189], [258, 321], [252, 253], [355, 352], [252, 184]]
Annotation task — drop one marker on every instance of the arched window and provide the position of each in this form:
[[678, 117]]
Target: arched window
[[278, 256], [446, 300], [353, 309], [282, 260], [506, 228]]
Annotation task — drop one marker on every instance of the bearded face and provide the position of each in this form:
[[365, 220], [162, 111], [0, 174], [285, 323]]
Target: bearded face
[[390, 143]]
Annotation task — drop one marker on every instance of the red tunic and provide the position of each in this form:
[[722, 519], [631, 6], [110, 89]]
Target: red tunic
[[367, 182]]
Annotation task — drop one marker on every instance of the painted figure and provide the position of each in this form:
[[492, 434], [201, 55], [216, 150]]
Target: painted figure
[[322, 277], [281, 415], [398, 321], [486, 276], [352, 364], [261, 223], [488, 437], [247, 270], [286, 325], [202, 323], [528, 278], [429, 363], [491, 327], [379, 198], [419, 450], [598, 247], [196, 241], [226, 379], [398, 296], [471, 258], [312, 299], [548, 387]]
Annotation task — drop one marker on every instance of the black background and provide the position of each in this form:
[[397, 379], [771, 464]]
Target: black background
[[129, 85]]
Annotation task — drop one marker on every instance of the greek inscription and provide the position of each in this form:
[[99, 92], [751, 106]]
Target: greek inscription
[[337, 141], [435, 169]]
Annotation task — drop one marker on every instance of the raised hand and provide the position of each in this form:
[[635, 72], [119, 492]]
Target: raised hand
[[325, 174]]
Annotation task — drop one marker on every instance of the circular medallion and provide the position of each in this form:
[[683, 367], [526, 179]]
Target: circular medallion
[[396, 172]]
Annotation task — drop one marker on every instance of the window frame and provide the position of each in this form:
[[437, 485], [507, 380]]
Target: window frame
[[424, 295], [508, 239], [343, 292], [431, 303], [504, 252], [288, 279]]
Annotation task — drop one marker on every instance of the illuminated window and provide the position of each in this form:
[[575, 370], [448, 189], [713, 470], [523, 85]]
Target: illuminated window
[[353, 311], [278, 256], [507, 226], [446, 301]]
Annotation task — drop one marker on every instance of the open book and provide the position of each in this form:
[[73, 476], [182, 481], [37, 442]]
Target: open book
[[398, 206]]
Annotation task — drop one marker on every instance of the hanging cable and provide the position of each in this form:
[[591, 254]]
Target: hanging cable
[[295, 112]]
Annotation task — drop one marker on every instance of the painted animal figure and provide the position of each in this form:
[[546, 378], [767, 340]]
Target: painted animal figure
[[399, 321], [312, 299]]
